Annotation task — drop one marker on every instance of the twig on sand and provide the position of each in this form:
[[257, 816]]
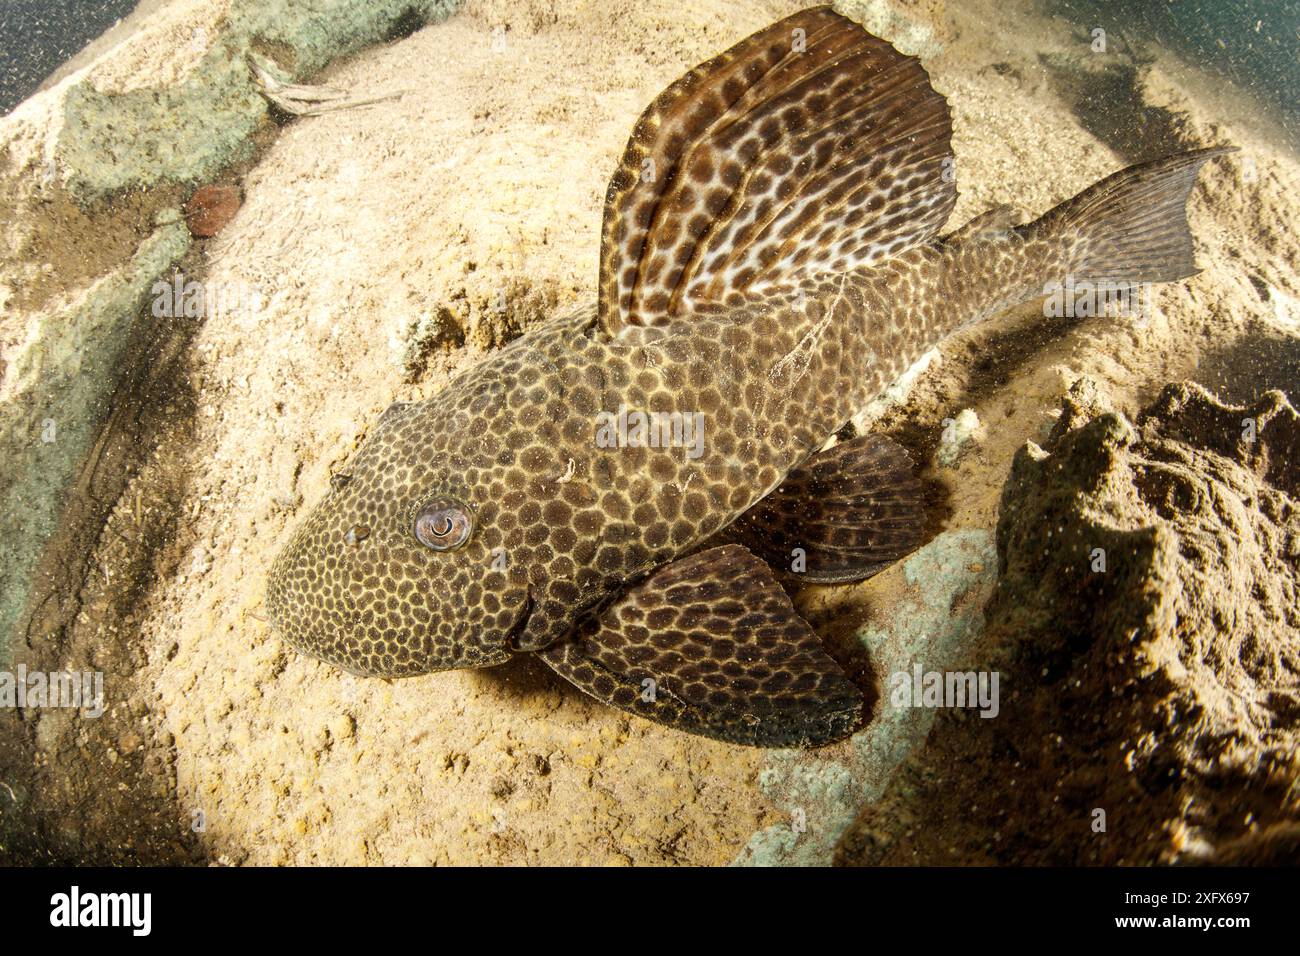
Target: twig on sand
[[301, 100]]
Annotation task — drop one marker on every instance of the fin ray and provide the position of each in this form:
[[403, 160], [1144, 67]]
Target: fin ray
[[1132, 225], [773, 160], [853, 510], [712, 645]]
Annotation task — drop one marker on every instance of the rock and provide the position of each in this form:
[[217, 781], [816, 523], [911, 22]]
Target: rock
[[57, 383], [1145, 626], [210, 208], [917, 27], [1278, 845], [343, 727], [958, 433]]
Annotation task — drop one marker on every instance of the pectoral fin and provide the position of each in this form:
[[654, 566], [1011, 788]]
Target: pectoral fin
[[843, 515], [711, 645]]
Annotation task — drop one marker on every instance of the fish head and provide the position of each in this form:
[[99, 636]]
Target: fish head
[[398, 571]]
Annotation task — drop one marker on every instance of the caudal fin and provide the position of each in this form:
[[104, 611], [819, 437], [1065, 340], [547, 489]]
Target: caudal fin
[[1131, 226]]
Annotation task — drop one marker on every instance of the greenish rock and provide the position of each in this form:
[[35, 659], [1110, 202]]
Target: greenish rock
[[906, 32], [958, 434], [319, 31], [65, 382], [934, 626], [188, 132], [143, 138]]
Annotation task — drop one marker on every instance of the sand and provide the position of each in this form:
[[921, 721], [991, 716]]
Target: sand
[[388, 248]]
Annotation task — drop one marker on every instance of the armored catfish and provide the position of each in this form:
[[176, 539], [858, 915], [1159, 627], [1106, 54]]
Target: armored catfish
[[612, 491]]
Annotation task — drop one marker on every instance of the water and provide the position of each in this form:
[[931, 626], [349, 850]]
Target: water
[[37, 36], [1251, 43]]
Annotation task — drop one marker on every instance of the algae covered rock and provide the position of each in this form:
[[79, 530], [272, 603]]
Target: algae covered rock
[[1146, 628]]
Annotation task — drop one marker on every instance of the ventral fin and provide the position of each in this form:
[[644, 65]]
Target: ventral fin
[[711, 645], [843, 515], [810, 147]]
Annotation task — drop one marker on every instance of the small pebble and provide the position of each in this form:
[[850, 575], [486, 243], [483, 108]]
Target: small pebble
[[210, 208]]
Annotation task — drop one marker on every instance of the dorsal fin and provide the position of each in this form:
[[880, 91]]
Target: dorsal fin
[[809, 147]]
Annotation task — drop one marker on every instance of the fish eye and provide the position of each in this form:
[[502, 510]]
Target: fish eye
[[442, 525]]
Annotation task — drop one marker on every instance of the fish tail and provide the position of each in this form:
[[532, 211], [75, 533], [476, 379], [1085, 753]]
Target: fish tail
[[1130, 226]]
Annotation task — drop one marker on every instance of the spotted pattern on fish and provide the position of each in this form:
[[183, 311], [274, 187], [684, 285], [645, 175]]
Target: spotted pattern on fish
[[814, 279], [839, 162], [692, 642]]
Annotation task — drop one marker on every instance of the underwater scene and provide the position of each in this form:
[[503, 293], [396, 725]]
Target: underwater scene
[[645, 433]]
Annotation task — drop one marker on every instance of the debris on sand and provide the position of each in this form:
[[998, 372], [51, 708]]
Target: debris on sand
[[302, 100]]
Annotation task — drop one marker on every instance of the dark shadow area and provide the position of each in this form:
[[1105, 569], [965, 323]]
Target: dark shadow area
[[525, 677], [1240, 372], [1250, 43], [100, 791], [838, 628], [407, 23], [1005, 346], [1106, 99], [38, 36]]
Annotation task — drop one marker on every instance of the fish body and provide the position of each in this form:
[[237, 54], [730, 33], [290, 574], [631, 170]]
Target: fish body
[[613, 490]]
